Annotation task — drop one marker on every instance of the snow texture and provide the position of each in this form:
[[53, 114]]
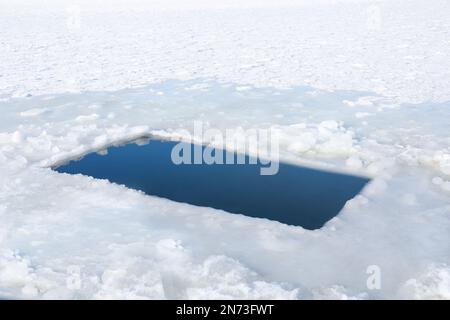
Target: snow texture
[[352, 86]]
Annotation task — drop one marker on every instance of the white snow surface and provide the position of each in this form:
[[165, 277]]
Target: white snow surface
[[359, 86]]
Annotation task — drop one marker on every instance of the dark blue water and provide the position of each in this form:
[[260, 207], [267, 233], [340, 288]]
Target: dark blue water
[[295, 195]]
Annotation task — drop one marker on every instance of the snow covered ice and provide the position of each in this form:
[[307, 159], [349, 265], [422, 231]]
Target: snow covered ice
[[350, 86]]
